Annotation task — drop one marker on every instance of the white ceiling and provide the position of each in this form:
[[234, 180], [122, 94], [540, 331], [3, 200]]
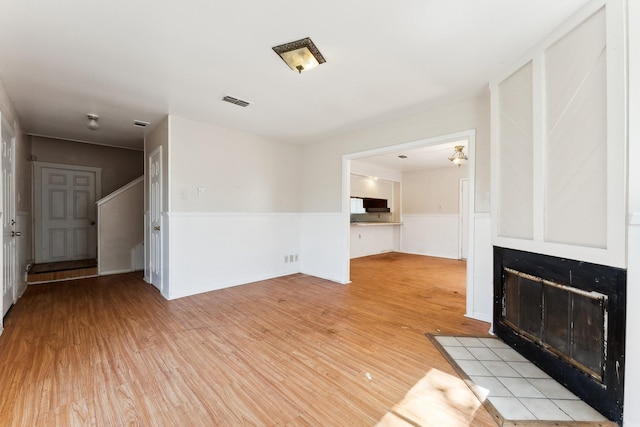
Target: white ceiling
[[144, 59], [430, 157]]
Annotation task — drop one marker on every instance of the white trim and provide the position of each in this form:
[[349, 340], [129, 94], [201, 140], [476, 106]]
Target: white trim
[[430, 215], [109, 273], [227, 214]]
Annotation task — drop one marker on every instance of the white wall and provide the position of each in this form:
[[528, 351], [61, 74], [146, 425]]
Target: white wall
[[431, 235], [218, 250], [238, 171], [430, 211], [434, 191], [323, 249], [373, 239], [322, 166], [632, 374], [322, 162], [234, 208]]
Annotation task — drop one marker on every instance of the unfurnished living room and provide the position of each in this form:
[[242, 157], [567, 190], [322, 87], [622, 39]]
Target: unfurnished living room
[[420, 213]]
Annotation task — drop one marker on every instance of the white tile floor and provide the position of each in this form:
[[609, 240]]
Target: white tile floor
[[515, 387]]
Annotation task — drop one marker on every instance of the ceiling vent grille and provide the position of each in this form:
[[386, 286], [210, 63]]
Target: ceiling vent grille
[[236, 101]]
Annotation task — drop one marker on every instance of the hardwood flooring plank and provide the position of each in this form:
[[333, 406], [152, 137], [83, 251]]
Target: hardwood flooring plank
[[291, 351]]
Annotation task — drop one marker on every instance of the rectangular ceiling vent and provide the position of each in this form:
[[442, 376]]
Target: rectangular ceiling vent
[[236, 101], [140, 123]]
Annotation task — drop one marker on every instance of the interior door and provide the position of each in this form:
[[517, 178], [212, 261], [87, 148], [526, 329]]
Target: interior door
[[67, 216], [155, 218], [9, 267]]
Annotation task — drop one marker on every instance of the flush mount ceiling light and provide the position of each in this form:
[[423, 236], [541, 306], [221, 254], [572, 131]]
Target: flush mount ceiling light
[[458, 157], [92, 123], [301, 55]]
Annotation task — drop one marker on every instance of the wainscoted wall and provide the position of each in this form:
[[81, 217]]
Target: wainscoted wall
[[430, 234], [480, 273], [219, 250], [324, 251], [374, 239]]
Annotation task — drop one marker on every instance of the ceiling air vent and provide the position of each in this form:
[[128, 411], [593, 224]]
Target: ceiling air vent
[[140, 123], [236, 101]]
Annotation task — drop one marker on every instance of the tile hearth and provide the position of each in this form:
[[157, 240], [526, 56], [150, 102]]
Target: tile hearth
[[515, 388]]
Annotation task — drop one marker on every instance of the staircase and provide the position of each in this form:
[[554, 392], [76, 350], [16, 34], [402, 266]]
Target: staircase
[[121, 229]]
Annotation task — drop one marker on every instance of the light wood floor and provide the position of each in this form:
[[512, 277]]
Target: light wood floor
[[296, 351]]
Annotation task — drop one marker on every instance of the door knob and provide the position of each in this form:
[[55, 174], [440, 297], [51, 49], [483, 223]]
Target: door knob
[[93, 223], [156, 228], [16, 234]]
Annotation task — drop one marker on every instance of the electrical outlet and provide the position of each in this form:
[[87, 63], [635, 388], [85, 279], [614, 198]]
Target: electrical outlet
[[296, 257], [286, 259], [290, 258]]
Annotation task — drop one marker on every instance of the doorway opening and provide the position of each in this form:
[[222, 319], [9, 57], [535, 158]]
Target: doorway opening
[[65, 238], [412, 236]]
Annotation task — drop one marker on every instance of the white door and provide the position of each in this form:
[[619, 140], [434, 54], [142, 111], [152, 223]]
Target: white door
[[9, 267], [66, 219], [464, 218], [155, 218]]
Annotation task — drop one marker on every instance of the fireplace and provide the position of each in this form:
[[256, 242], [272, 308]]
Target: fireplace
[[567, 317]]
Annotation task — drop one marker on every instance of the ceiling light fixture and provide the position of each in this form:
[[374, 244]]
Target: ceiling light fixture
[[458, 157], [300, 55], [92, 123], [403, 156]]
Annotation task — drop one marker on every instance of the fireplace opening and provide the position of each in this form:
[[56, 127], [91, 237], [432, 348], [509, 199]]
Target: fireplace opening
[[564, 320], [568, 317]]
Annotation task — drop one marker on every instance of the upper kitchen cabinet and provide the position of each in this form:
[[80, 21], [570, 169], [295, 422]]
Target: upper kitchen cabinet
[[364, 186]]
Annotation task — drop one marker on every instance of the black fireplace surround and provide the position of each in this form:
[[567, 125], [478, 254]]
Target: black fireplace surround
[[538, 299]]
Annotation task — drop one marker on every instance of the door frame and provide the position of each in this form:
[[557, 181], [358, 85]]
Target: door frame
[[37, 195], [149, 274], [470, 136], [5, 126]]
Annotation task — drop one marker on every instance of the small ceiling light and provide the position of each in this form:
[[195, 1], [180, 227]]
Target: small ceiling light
[[301, 55], [458, 157], [402, 156], [92, 123]]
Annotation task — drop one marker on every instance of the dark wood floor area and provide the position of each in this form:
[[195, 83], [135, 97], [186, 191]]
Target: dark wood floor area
[[295, 351]]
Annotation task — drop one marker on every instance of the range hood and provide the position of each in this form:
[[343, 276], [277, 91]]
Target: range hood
[[375, 205]]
